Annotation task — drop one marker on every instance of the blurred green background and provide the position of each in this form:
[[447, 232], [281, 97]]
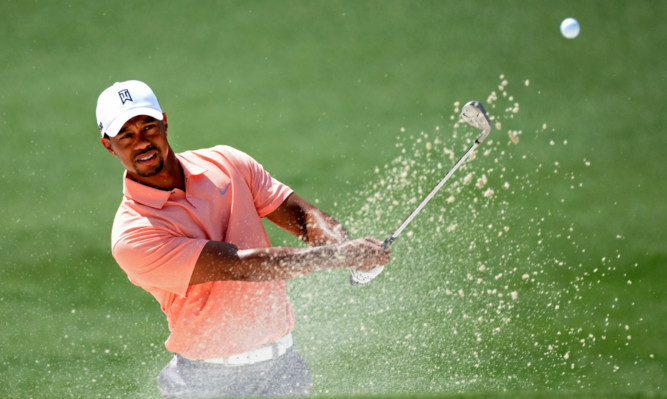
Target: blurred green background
[[551, 287]]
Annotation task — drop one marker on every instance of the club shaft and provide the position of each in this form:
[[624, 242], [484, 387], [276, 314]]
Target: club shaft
[[387, 242]]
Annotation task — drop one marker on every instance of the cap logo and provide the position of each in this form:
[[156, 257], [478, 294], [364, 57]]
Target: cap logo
[[101, 126], [125, 95]]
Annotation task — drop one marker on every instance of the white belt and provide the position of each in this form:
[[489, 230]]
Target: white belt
[[261, 354]]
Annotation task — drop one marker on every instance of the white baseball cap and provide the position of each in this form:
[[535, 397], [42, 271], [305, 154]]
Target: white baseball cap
[[123, 101]]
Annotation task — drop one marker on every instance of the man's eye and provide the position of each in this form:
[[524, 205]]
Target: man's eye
[[126, 136]]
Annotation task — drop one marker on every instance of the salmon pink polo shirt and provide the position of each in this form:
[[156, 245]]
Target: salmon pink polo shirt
[[157, 237]]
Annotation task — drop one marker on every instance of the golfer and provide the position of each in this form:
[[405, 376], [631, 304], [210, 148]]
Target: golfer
[[188, 231]]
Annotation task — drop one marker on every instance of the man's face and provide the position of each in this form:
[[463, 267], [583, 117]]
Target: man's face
[[141, 145]]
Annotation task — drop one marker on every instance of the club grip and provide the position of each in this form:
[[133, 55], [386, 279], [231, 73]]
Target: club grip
[[387, 242]]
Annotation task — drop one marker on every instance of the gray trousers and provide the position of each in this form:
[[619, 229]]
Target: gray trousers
[[287, 375]]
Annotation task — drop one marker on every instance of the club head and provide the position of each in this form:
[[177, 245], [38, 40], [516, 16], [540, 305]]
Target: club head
[[474, 114]]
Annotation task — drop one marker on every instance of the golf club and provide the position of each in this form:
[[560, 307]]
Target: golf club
[[474, 114]]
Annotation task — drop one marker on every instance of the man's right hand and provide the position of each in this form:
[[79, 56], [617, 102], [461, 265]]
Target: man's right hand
[[371, 265]]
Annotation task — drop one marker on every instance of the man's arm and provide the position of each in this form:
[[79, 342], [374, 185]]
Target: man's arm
[[330, 248], [223, 261], [298, 217]]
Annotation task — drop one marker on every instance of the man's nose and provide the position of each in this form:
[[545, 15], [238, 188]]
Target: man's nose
[[142, 142]]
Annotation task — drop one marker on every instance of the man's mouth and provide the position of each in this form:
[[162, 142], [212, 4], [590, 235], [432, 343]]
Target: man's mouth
[[147, 157]]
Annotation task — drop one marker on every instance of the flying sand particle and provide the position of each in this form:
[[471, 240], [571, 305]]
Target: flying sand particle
[[481, 182]]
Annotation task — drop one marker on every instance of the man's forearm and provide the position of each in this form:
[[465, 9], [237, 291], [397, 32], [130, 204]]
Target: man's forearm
[[324, 229], [223, 261], [312, 225], [284, 263]]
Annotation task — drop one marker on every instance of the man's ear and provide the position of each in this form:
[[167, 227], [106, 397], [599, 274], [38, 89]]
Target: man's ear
[[107, 144], [164, 122]]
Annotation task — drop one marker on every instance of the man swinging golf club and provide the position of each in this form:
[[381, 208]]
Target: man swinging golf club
[[188, 231]]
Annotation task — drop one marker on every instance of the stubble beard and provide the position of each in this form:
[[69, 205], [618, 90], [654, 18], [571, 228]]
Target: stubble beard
[[151, 171]]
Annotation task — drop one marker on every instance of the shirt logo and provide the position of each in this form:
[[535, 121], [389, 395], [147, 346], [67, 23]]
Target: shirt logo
[[223, 192], [125, 95]]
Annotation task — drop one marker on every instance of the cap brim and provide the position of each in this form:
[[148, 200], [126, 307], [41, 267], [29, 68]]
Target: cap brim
[[118, 123]]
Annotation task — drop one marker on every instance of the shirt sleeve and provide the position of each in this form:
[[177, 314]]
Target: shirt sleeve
[[155, 259], [267, 192]]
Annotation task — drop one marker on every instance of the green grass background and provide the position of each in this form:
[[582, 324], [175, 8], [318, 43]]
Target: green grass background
[[321, 92]]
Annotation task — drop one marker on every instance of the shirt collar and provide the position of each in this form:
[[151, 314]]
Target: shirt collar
[[153, 197]]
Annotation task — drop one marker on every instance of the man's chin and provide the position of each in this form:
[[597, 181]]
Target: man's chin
[[148, 171]]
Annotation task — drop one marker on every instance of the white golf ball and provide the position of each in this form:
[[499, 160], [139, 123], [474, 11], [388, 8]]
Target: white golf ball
[[569, 28]]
